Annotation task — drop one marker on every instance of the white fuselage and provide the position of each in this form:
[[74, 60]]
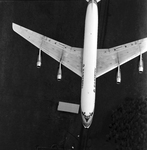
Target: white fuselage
[[89, 64]]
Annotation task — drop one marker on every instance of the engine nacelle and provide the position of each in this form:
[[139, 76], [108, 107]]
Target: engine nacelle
[[38, 63], [59, 74], [140, 65], [118, 76], [39, 59]]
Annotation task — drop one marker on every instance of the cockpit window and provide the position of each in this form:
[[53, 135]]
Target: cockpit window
[[87, 116]]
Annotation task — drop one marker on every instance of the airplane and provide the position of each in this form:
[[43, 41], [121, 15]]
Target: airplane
[[88, 62]]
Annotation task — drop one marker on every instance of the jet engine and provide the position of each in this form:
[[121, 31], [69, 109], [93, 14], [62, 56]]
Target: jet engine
[[59, 74], [140, 64], [39, 59], [118, 76]]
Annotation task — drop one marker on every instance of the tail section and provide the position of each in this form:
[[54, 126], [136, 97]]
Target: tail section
[[92, 1]]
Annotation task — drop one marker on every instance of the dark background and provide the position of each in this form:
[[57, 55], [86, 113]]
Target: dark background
[[29, 96]]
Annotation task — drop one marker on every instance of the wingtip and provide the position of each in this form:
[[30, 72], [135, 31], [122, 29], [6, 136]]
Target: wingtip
[[13, 26]]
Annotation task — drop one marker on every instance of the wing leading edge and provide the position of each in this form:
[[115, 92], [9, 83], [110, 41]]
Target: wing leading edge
[[71, 57], [108, 59]]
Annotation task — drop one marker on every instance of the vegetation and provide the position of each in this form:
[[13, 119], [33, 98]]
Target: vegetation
[[129, 125]]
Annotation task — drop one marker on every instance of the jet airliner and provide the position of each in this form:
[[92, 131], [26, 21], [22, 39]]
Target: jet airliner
[[88, 62]]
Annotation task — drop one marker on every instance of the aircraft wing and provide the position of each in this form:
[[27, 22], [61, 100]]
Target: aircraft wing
[[109, 59], [70, 56]]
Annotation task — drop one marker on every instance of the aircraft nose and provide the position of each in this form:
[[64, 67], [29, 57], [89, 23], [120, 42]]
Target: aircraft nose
[[86, 124], [87, 119]]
